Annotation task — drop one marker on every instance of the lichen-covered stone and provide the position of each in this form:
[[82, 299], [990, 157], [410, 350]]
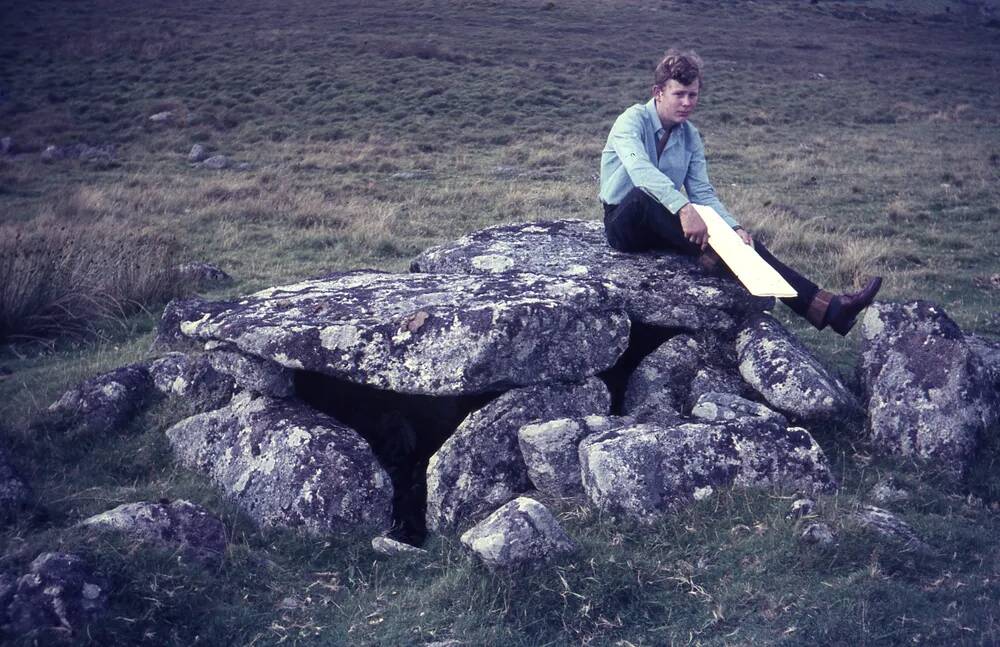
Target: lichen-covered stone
[[660, 288], [250, 373], [392, 548], [801, 508], [888, 526], [522, 532], [550, 450], [168, 330], [427, 334], [480, 466], [101, 404], [200, 275], [726, 406], [715, 379], [789, 377], [929, 394], [666, 372], [178, 523], [287, 465], [818, 534], [888, 490], [192, 377], [56, 599], [644, 471]]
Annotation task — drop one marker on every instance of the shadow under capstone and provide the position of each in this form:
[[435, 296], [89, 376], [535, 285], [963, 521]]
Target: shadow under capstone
[[403, 431], [643, 340]]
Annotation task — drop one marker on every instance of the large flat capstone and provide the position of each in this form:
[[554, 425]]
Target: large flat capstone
[[660, 288], [426, 333]]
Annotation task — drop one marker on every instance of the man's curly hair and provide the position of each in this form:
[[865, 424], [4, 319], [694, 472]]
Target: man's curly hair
[[683, 66]]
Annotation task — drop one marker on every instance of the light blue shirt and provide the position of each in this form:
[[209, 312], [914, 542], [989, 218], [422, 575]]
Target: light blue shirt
[[629, 160]]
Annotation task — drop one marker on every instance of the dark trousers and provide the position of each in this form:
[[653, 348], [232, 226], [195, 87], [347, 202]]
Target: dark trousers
[[639, 223]]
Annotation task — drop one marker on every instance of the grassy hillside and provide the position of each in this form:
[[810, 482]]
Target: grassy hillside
[[856, 137]]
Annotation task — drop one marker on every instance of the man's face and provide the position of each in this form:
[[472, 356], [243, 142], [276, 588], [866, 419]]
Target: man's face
[[675, 102]]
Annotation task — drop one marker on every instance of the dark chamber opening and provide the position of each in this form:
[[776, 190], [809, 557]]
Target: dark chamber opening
[[403, 431], [643, 340]]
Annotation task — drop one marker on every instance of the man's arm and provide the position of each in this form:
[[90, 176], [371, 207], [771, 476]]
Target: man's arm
[[698, 186]]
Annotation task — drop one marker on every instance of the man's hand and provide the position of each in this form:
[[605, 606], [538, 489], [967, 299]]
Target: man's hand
[[693, 226], [745, 236]]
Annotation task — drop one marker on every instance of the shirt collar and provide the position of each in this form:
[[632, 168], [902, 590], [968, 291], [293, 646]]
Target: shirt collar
[[654, 118]]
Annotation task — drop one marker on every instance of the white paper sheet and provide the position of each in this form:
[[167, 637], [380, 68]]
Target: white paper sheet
[[753, 271]]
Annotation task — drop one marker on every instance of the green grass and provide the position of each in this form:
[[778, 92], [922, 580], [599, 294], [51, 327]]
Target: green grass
[[855, 138]]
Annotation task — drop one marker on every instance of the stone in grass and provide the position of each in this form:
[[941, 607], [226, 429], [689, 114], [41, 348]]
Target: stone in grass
[[216, 162], [251, 373], [930, 395], [391, 548], [198, 153], [192, 377], [182, 523], [801, 508], [818, 534], [202, 276], [522, 532], [287, 465], [480, 466], [56, 600], [645, 471], [161, 117], [789, 377], [101, 404], [888, 526], [551, 451], [425, 334], [888, 490]]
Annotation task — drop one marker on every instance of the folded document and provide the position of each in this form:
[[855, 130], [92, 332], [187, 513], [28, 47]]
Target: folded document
[[759, 278]]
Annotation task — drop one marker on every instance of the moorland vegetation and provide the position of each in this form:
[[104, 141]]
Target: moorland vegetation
[[856, 137]]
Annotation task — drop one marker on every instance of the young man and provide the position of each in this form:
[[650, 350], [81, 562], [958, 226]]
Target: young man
[[652, 151]]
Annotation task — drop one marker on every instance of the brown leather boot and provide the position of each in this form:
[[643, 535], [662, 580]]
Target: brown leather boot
[[844, 309]]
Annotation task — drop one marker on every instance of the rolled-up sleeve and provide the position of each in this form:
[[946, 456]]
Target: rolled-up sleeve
[[626, 140], [697, 184]]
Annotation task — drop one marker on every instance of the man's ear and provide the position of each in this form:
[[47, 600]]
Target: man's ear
[[655, 91]]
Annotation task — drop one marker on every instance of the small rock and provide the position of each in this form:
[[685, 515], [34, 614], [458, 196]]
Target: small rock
[[801, 508], [59, 596], [217, 162], [201, 275], [888, 491], [181, 523], [160, 117], [521, 532], [411, 175], [390, 547], [197, 154], [101, 404], [889, 526], [51, 153], [6, 146], [818, 534]]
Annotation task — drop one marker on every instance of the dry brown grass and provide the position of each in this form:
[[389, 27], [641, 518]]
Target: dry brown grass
[[58, 278]]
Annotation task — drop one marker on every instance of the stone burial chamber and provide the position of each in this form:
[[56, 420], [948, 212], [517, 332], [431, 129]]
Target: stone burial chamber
[[519, 359]]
